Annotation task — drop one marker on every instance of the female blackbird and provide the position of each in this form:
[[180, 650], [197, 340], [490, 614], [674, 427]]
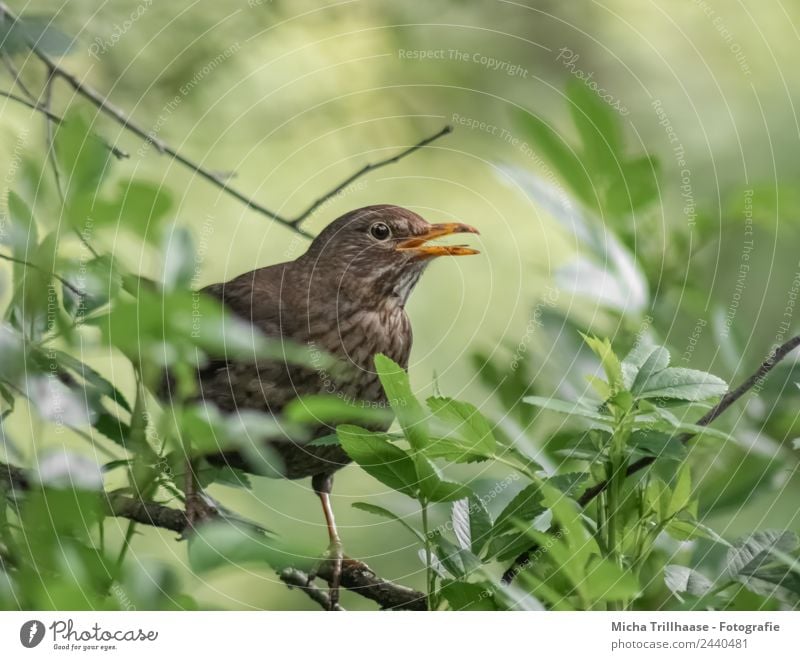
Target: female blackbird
[[344, 297]]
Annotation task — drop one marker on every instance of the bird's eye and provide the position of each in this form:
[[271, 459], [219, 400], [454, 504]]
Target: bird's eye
[[380, 230]]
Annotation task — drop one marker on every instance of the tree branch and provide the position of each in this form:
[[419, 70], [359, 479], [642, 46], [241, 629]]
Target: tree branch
[[369, 167], [356, 576], [118, 115], [33, 266], [294, 578], [756, 379], [118, 153]]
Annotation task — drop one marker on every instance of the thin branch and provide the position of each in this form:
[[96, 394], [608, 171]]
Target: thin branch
[[369, 167], [44, 271], [15, 74], [51, 147], [294, 578], [756, 379], [120, 154], [356, 576], [105, 106], [147, 513]]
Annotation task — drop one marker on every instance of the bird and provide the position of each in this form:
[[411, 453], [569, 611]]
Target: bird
[[346, 297]]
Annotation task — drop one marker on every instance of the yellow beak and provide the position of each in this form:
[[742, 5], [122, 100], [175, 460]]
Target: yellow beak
[[417, 244]]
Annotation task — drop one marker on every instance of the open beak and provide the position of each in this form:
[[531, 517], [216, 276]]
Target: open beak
[[418, 244]]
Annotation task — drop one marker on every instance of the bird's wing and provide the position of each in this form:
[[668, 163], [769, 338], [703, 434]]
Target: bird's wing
[[260, 298]]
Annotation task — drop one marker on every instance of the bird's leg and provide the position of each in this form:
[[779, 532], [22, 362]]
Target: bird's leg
[[197, 509], [322, 485]]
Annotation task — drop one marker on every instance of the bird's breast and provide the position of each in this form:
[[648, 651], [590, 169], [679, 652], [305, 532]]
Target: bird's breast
[[356, 338]]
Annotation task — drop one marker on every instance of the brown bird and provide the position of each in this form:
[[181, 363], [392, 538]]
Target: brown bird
[[346, 297]]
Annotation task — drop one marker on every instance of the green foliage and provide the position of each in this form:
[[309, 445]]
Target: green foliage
[[474, 477], [597, 171]]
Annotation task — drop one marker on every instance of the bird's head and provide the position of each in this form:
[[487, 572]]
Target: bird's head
[[380, 251]]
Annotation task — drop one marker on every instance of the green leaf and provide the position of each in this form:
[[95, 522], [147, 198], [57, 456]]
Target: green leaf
[[381, 459], [657, 361], [635, 188], [452, 451], [58, 403], [605, 581], [682, 579], [458, 561], [168, 328], [634, 361], [681, 491], [22, 235], [467, 596], [658, 444], [385, 513], [139, 207], [229, 544], [84, 160], [687, 528], [94, 378], [204, 429], [467, 423], [437, 489], [333, 410], [409, 412], [682, 384], [472, 523], [749, 551], [97, 283], [112, 427], [508, 546], [13, 366], [179, 259], [598, 127], [609, 360], [567, 407], [657, 496], [570, 484], [525, 506], [560, 155]]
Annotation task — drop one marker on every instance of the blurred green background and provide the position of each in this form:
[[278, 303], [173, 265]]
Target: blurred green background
[[291, 97]]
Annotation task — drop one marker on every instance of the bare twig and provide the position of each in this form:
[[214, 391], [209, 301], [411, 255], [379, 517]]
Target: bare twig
[[361, 579], [15, 74], [108, 108], [120, 154], [147, 513], [369, 167], [51, 147], [356, 576], [295, 578], [755, 379], [44, 271]]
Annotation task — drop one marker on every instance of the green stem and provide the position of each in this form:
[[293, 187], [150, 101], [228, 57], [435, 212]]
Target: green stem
[[616, 473], [524, 471], [137, 434], [429, 574]]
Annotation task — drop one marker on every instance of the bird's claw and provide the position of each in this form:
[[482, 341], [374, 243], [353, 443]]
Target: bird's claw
[[198, 510], [334, 556]]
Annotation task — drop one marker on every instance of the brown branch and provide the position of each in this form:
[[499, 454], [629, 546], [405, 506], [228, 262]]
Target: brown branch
[[369, 167], [361, 579], [294, 578], [147, 513], [44, 271], [120, 154], [118, 115], [756, 379], [356, 576], [52, 157]]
